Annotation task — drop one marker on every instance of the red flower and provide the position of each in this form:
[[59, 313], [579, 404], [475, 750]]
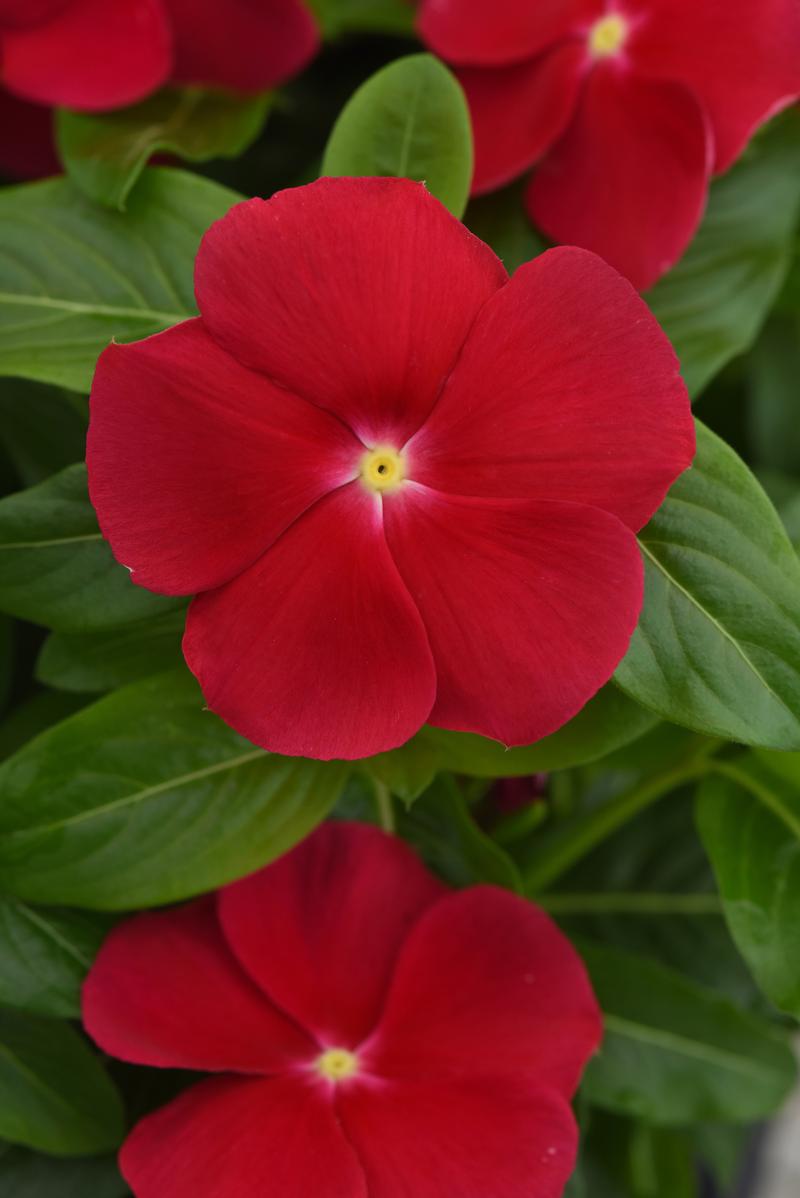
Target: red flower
[[374, 1034], [405, 485], [95, 55], [630, 105]]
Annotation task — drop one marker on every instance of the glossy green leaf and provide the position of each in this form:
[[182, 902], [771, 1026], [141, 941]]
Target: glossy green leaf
[[145, 797], [104, 153], [73, 276], [25, 1174], [101, 661], [55, 567], [748, 814], [410, 120], [677, 1053], [773, 408], [714, 302], [33, 715], [500, 219], [42, 429], [54, 1094], [441, 827], [45, 953], [622, 1158], [338, 17], [718, 643]]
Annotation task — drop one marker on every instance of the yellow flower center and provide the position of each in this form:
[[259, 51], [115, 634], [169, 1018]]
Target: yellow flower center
[[336, 1064], [607, 36], [382, 469]]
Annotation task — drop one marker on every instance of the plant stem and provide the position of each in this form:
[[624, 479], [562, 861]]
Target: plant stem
[[384, 805]]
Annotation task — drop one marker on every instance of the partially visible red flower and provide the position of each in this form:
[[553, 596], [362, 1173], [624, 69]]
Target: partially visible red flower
[[629, 105], [406, 486], [93, 55], [27, 139], [372, 1033]]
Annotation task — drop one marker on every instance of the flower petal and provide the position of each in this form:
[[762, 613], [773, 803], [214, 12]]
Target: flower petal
[[197, 464], [320, 929], [227, 1138], [166, 990], [566, 389], [469, 1138], [27, 143], [529, 607], [629, 178], [476, 33], [29, 12], [741, 59], [241, 45], [90, 54], [487, 984], [519, 111], [317, 650], [356, 293]]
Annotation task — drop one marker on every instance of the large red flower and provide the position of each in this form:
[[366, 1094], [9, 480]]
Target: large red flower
[[94, 55], [630, 105], [406, 485], [372, 1033]]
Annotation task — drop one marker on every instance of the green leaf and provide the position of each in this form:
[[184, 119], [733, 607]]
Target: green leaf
[[6, 659], [714, 302], [677, 1053], [104, 153], [54, 1094], [442, 829], [410, 120], [620, 1158], [55, 567], [500, 219], [25, 1174], [74, 276], [748, 814], [338, 17], [774, 370], [32, 716], [718, 643], [145, 798], [101, 661], [45, 953], [42, 429]]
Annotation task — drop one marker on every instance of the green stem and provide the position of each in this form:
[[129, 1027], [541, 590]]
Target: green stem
[[631, 903], [384, 805], [575, 838]]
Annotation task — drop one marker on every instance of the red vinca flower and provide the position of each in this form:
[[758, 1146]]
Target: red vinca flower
[[94, 55], [631, 106], [375, 1034], [406, 486]]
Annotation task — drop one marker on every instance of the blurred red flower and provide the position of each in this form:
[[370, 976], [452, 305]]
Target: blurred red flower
[[406, 485], [92, 55], [373, 1033], [629, 105]]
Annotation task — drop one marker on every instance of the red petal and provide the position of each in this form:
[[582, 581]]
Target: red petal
[[481, 33], [629, 179], [27, 144], [241, 45], [519, 111], [196, 464], [320, 929], [468, 1138], [317, 650], [29, 12], [487, 984], [529, 607], [231, 1138], [90, 55], [741, 59], [566, 389], [165, 990], [356, 293]]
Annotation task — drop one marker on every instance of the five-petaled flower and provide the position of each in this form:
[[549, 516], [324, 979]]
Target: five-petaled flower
[[374, 1034], [404, 487], [93, 55], [629, 105]]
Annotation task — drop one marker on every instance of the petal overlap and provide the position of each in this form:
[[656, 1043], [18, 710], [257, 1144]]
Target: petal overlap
[[480, 34]]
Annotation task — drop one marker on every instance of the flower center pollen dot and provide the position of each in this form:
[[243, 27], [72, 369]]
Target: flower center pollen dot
[[607, 36], [382, 469], [336, 1064]]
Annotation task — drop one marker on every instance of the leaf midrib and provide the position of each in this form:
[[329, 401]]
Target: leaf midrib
[[676, 1042], [85, 309]]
